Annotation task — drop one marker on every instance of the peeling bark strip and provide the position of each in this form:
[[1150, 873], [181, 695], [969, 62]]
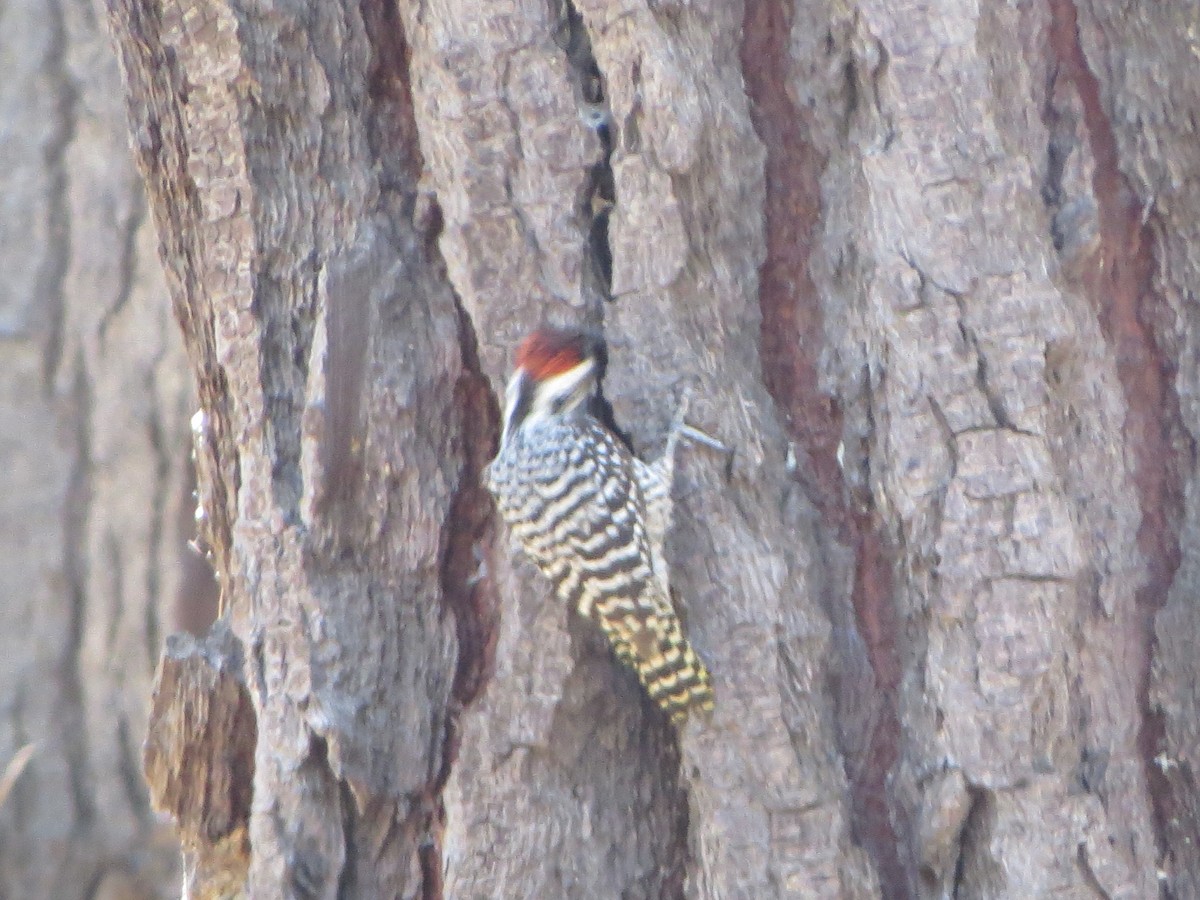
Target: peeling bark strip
[[199, 757], [1119, 282]]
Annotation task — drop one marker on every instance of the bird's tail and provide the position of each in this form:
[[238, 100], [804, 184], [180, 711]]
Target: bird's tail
[[673, 674]]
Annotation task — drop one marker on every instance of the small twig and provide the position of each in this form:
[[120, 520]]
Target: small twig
[[13, 770]]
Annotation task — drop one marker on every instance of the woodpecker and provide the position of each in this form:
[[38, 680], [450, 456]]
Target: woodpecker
[[592, 516]]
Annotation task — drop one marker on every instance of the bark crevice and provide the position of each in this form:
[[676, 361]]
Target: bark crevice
[[1118, 282], [468, 535], [78, 503], [598, 191], [57, 251], [792, 335]]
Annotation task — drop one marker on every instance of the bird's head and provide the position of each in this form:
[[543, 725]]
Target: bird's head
[[556, 374]]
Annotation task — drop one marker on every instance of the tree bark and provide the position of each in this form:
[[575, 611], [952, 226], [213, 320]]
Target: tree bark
[[928, 268], [339, 487], [95, 510]]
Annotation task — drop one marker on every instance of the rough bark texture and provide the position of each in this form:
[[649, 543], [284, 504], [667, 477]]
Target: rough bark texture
[[332, 366], [930, 268], [199, 756]]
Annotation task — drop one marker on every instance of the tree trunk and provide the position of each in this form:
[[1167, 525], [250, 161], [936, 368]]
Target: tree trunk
[[95, 510], [928, 269]]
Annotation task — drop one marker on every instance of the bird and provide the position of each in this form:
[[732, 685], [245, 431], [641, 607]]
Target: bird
[[592, 516]]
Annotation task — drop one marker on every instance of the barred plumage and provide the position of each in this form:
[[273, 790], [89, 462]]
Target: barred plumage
[[592, 517]]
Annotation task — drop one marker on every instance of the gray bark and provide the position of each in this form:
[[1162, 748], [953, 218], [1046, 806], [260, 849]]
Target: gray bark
[[930, 269], [94, 505]]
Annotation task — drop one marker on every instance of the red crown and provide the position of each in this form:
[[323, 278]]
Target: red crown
[[551, 351]]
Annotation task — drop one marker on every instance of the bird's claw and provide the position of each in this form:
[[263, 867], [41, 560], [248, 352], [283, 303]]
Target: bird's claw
[[680, 427]]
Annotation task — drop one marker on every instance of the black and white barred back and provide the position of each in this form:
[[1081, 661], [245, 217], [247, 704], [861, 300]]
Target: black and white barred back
[[573, 496]]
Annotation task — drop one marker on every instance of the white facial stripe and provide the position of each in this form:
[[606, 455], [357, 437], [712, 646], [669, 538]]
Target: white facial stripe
[[565, 383], [512, 396], [557, 387]]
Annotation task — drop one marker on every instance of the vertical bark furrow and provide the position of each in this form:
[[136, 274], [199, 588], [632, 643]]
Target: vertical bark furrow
[[55, 251], [468, 586], [67, 376], [596, 197], [880, 824], [78, 503], [793, 336], [1118, 281], [1138, 63], [792, 326]]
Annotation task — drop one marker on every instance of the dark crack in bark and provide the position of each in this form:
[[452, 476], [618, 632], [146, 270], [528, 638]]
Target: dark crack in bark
[[598, 192], [57, 247], [792, 335], [468, 591], [1119, 282], [75, 566]]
